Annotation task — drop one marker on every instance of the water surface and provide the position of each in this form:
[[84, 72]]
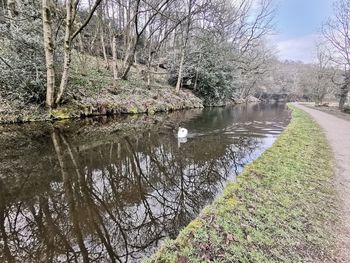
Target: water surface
[[100, 192]]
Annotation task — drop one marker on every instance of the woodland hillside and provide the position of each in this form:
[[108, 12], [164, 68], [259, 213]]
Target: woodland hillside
[[74, 57]]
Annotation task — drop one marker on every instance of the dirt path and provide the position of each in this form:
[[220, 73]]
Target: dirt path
[[338, 134]]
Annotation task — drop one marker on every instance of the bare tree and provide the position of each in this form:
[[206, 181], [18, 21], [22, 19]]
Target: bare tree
[[150, 13], [323, 75], [185, 42], [70, 35], [336, 32]]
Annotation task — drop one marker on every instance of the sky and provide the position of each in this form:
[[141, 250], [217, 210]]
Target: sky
[[298, 24]]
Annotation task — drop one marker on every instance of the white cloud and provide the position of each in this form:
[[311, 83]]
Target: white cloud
[[298, 49]]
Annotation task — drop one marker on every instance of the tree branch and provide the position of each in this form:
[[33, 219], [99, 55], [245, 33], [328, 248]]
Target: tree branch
[[87, 20]]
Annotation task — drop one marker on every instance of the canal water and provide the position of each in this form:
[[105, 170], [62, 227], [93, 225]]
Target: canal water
[[112, 190]]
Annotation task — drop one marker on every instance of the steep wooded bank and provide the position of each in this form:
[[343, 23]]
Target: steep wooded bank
[[155, 48], [90, 94]]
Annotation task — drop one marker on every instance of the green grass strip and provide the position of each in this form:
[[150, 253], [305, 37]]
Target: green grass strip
[[280, 209]]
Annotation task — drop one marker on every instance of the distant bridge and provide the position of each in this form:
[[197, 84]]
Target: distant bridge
[[287, 97]]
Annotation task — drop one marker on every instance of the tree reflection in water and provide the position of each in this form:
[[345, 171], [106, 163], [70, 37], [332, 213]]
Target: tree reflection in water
[[114, 201]]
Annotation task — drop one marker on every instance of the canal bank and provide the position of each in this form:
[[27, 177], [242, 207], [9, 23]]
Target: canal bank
[[106, 102], [130, 98], [282, 208]]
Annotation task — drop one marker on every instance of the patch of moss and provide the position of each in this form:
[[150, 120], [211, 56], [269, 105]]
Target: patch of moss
[[62, 113], [281, 208], [151, 111], [133, 110]]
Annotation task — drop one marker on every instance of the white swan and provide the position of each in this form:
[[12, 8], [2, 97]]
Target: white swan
[[182, 133]]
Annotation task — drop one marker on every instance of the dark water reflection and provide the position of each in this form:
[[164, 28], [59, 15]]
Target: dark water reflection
[[113, 197]]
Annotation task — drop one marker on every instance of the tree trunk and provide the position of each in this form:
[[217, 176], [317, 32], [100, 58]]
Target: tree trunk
[[126, 56], [127, 38], [49, 54], [104, 48], [197, 73], [102, 24], [71, 9], [343, 95], [149, 64], [81, 44], [67, 50], [184, 46], [195, 81], [344, 90], [149, 72], [243, 92], [114, 55], [179, 77], [130, 62], [93, 40], [64, 78]]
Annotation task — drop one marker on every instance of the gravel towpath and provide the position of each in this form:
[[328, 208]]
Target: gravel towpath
[[338, 134]]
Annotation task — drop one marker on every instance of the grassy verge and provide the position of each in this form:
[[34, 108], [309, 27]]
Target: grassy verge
[[281, 209]]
